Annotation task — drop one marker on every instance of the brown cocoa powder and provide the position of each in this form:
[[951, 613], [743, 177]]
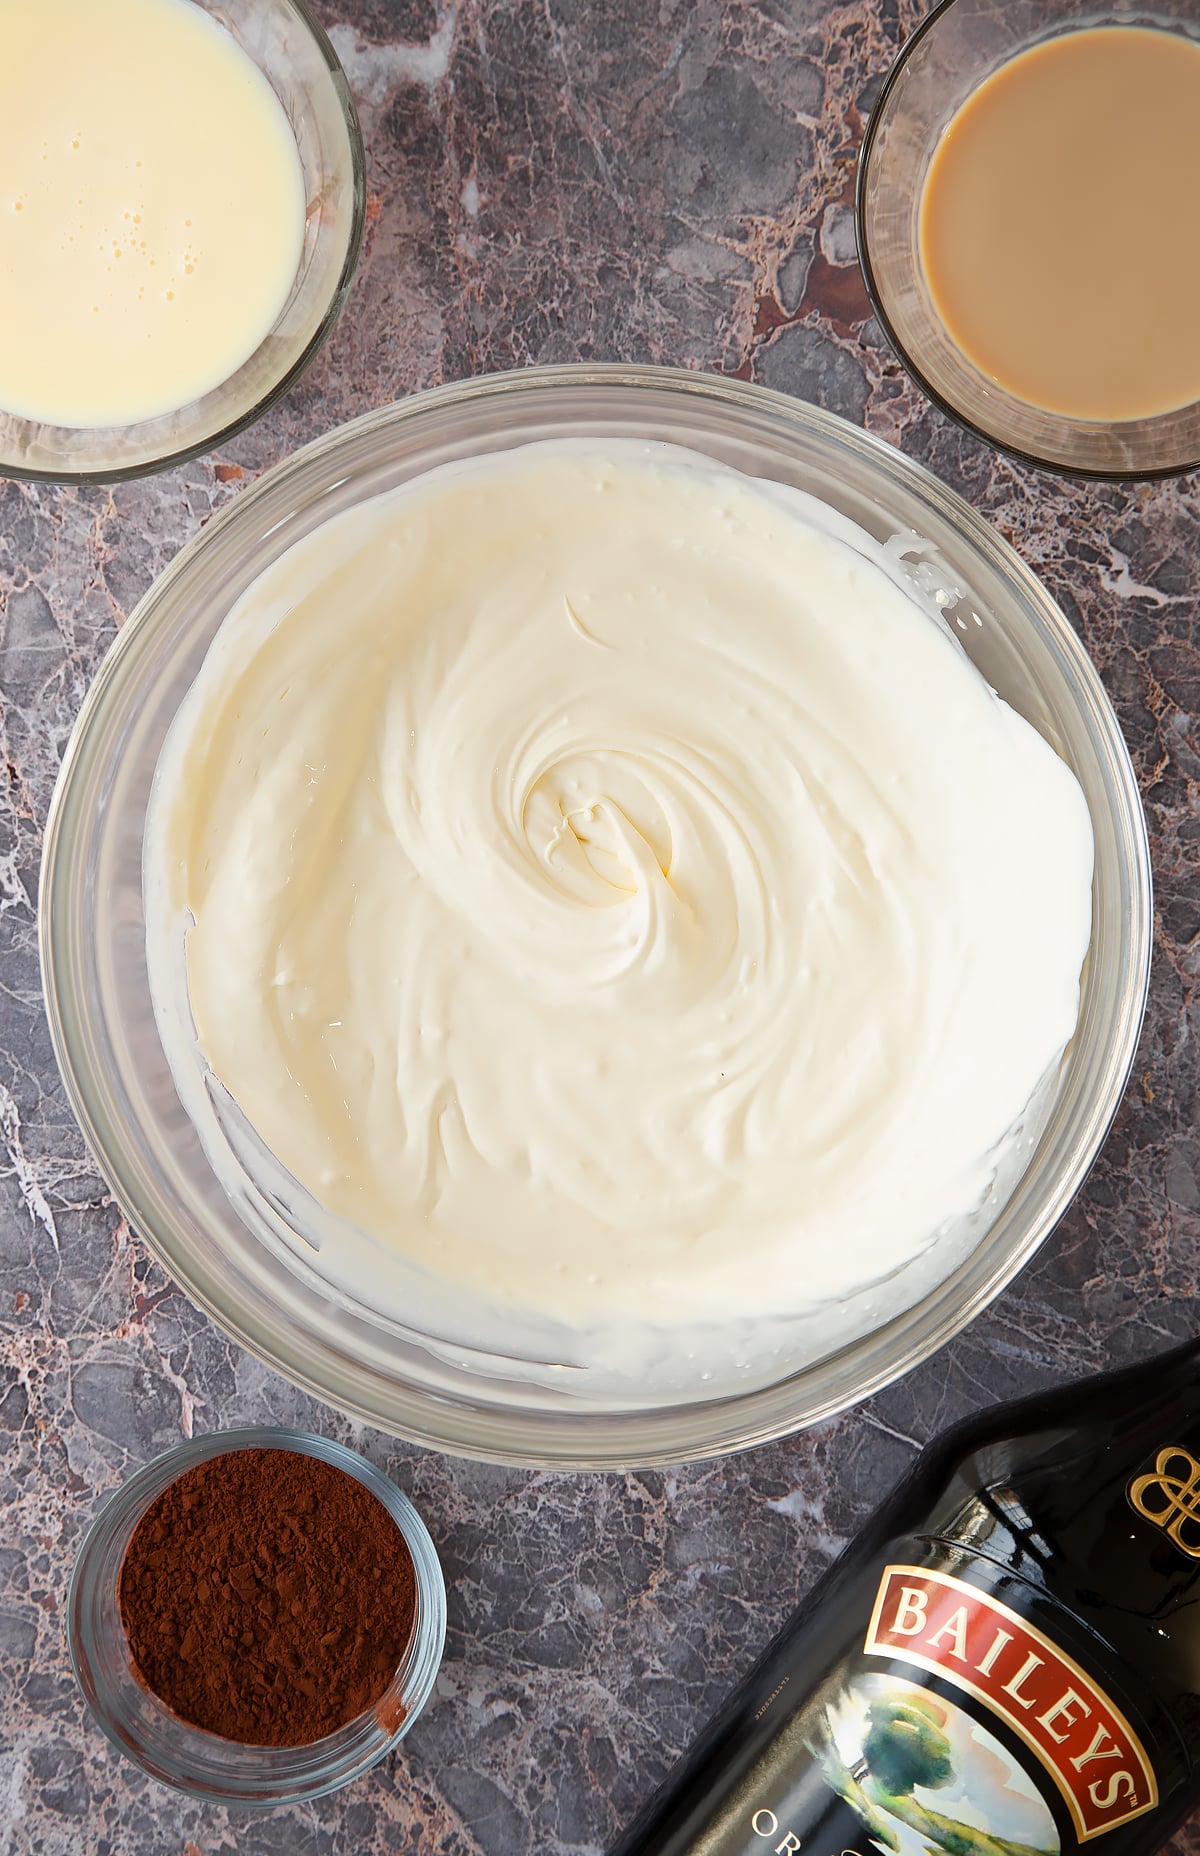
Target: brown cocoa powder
[[268, 1597]]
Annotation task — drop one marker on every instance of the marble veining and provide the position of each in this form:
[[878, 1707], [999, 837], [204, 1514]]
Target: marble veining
[[551, 180]]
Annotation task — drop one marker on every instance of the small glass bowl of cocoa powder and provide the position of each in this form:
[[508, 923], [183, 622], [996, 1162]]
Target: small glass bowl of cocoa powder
[[257, 1617]]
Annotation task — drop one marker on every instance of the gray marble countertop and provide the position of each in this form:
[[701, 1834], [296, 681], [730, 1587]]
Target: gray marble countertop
[[651, 180]]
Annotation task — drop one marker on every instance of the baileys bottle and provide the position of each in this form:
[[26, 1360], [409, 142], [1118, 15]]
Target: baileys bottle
[[1005, 1662]]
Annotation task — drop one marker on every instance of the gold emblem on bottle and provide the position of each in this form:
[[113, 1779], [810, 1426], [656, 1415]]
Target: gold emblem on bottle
[[1170, 1497]]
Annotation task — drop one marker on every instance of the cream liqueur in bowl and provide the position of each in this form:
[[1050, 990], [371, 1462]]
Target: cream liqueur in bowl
[[598, 914]]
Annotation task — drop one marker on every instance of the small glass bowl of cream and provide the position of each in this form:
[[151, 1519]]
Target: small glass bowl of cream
[[1023, 189], [180, 221], [141, 1726]]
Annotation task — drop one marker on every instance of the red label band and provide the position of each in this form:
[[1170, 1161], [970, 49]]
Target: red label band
[[961, 1634]]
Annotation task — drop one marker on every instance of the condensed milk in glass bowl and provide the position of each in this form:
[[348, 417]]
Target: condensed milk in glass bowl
[[234, 1240], [1023, 212], [180, 221]]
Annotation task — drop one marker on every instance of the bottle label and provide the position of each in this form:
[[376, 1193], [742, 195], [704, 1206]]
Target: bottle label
[[954, 1727], [969, 1639], [912, 1773]]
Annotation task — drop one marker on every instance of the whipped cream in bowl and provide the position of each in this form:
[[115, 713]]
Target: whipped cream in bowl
[[613, 898]]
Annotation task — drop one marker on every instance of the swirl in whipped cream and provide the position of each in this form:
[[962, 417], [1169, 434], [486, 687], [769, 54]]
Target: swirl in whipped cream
[[611, 897]]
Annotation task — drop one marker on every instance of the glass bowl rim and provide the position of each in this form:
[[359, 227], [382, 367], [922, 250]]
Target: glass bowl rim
[[419, 1665], [1073, 472], [199, 447], [528, 1438]]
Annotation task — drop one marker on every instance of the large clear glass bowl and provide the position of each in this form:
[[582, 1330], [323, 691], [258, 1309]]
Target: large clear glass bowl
[[288, 44], [93, 949], [953, 50]]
